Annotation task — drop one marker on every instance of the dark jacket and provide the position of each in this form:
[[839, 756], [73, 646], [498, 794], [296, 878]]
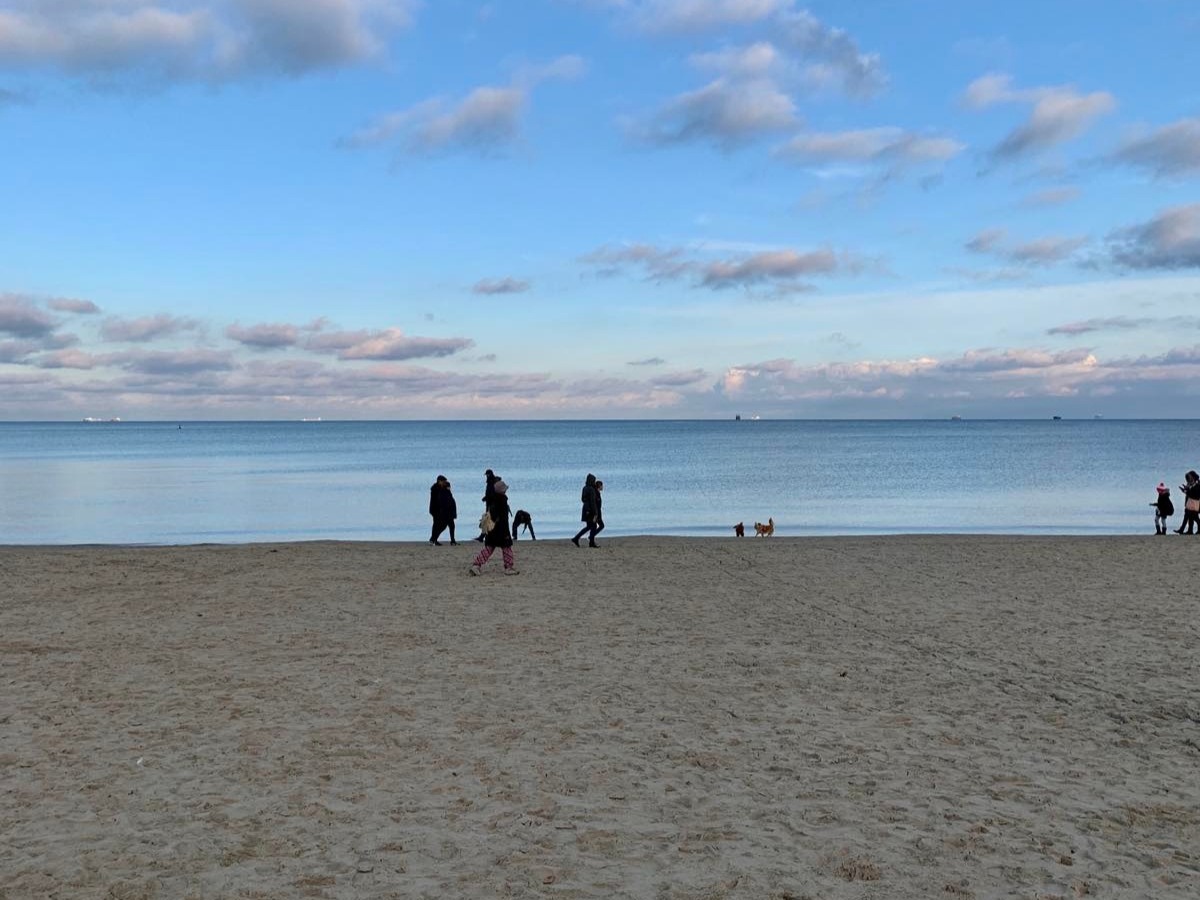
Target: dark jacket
[[588, 497], [441, 503], [490, 490], [1191, 491], [500, 535], [1166, 508]]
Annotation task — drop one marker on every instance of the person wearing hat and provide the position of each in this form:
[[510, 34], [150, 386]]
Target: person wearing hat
[[497, 534], [443, 509], [1163, 509]]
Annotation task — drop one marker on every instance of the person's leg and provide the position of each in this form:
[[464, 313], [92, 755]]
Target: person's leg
[[438, 528], [507, 553], [593, 530], [452, 540], [582, 531], [482, 557], [532, 533]]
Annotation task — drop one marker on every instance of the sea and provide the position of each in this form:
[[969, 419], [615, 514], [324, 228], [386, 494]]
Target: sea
[[241, 482]]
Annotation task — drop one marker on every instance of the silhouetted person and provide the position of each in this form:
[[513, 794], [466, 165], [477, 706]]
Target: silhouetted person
[[588, 516], [499, 534], [443, 509]]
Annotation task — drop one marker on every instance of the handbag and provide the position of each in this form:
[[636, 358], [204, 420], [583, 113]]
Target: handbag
[[485, 522], [1193, 504]]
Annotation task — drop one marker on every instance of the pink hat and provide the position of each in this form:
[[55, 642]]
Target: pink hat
[[1163, 489]]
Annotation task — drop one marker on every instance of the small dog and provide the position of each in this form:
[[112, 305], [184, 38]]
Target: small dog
[[523, 518], [761, 530], [740, 529]]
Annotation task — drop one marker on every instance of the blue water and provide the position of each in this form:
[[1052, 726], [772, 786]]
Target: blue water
[[232, 482]]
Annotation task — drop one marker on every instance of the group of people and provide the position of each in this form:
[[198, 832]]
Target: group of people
[[1164, 508], [494, 529]]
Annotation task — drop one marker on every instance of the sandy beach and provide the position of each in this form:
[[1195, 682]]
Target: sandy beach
[[886, 717]]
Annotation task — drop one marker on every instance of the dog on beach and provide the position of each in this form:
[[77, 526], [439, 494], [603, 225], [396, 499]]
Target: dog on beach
[[761, 530], [523, 518], [740, 529]]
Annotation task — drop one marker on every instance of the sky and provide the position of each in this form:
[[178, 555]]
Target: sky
[[544, 209]]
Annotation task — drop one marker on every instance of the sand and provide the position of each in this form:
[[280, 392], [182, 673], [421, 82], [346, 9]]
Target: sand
[[900, 717]]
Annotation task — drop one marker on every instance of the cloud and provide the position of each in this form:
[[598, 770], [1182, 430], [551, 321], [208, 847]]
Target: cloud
[[1112, 323], [21, 318], [484, 121], [266, 336], [146, 328], [753, 94], [1170, 151], [753, 61], [68, 359], [779, 266], [500, 286], [726, 112], [1038, 252], [989, 379], [17, 351], [659, 263], [1170, 240], [892, 150], [648, 361], [1058, 114], [388, 344], [837, 56], [782, 270], [111, 40], [67, 304], [170, 362]]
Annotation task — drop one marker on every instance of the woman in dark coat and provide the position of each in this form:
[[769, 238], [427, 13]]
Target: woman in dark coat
[[499, 535], [443, 509], [1191, 503], [590, 512]]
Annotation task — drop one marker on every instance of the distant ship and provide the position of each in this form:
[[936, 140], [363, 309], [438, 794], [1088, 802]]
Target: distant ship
[[956, 418], [738, 417], [1058, 418]]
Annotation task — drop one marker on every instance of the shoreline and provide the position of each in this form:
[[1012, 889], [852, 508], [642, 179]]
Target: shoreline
[[909, 716], [629, 538]]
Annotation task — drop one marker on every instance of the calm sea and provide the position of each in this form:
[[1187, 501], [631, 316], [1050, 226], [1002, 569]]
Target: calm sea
[[232, 482]]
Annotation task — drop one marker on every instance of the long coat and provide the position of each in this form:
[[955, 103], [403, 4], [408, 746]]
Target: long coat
[[441, 504], [588, 496], [500, 535]]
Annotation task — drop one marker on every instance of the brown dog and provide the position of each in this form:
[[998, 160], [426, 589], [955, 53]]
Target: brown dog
[[761, 530], [740, 529]]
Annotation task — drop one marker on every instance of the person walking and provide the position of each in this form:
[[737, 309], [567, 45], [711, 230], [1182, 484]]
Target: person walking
[[491, 478], [599, 506], [498, 535], [1191, 504], [1163, 509], [588, 516], [443, 509]]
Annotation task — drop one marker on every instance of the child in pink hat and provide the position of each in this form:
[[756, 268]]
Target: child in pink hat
[[1163, 509]]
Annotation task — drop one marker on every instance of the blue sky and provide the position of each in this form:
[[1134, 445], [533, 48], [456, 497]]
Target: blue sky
[[598, 208]]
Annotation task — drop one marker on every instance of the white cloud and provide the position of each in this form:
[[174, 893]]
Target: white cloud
[[1058, 114], [487, 119], [1170, 151], [111, 40]]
